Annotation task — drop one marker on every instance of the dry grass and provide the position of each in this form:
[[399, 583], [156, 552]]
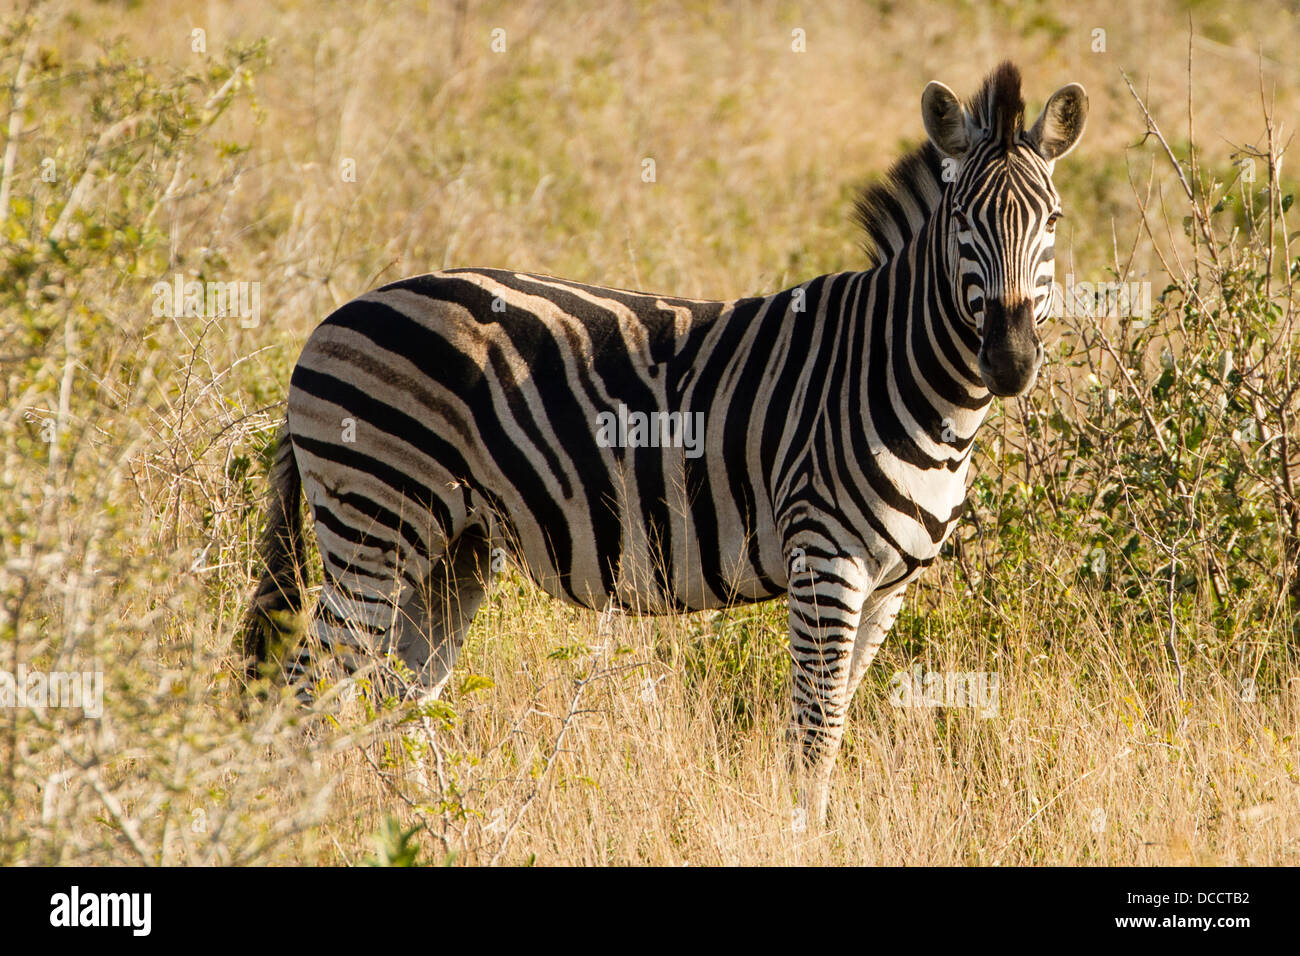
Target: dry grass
[[127, 541], [1083, 762]]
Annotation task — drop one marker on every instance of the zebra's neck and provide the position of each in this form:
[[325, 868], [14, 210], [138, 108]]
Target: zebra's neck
[[954, 340], [922, 397]]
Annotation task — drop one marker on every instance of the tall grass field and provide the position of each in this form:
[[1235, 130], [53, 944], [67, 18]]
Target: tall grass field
[[1124, 581]]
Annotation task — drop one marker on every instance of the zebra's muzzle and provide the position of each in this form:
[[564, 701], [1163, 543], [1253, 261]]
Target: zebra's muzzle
[[1010, 352]]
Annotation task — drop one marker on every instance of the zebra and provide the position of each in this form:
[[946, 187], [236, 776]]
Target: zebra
[[656, 454]]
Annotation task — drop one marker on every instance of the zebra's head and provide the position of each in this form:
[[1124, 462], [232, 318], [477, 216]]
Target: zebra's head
[[999, 211]]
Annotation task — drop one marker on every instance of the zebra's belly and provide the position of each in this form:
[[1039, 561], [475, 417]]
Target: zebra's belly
[[654, 568], [651, 601]]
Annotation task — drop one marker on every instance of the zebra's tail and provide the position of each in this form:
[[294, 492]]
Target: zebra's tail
[[273, 616]]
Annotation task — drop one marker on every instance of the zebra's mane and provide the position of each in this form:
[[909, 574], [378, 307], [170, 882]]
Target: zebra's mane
[[890, 211]]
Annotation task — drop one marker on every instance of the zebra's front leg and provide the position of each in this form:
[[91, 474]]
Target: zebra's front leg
[[877, 618], [827, 593]]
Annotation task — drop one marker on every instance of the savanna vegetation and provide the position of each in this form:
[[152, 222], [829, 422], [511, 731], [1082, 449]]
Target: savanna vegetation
[[1128, 567]]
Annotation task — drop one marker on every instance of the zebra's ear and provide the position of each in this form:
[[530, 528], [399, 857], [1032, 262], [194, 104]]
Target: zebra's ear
[[946, 121], [1058, 128]]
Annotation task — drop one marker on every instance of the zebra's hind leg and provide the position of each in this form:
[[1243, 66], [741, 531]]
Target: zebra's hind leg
[[434, 624], [436, 618], [350, 635], [364, 624]]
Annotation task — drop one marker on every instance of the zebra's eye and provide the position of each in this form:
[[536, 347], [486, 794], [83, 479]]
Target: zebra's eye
[[1051, 221]]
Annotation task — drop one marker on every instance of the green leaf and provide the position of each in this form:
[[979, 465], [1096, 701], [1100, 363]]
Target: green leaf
[[393, 845], [476, 682]]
